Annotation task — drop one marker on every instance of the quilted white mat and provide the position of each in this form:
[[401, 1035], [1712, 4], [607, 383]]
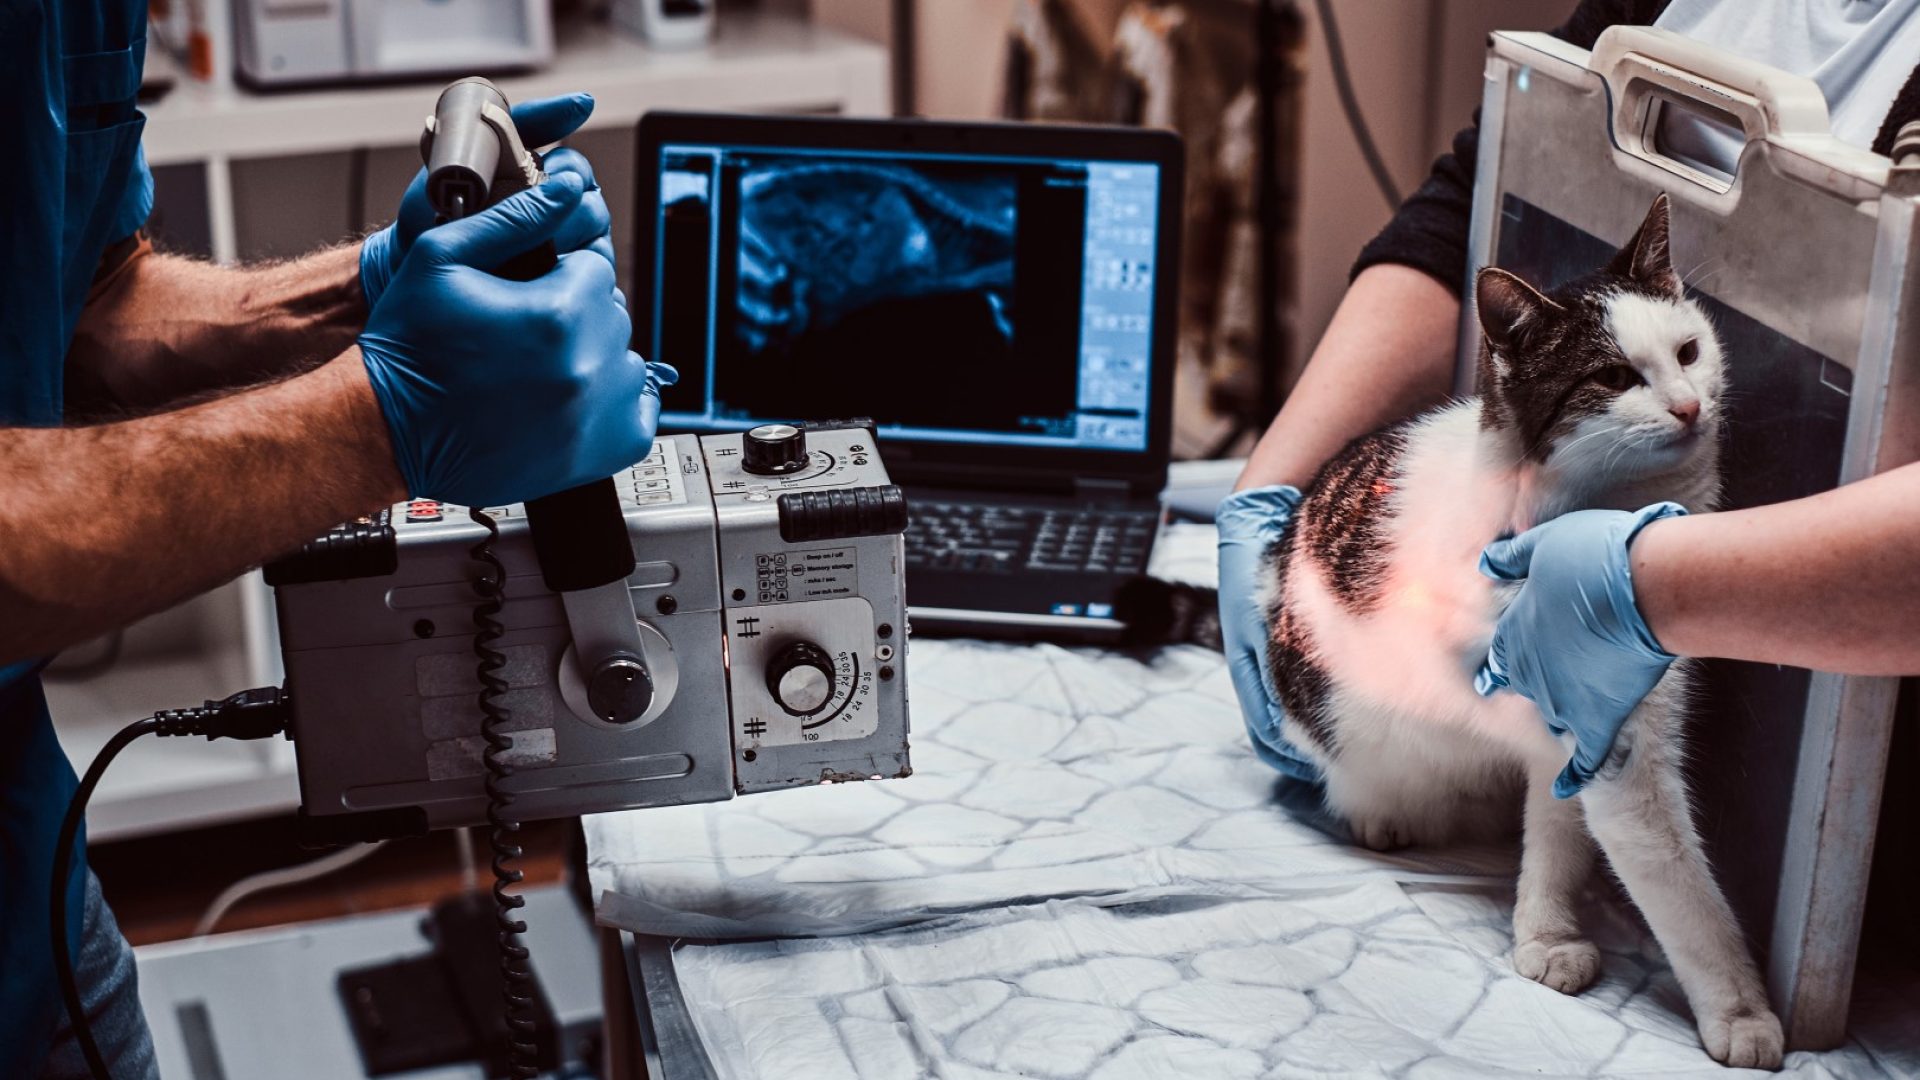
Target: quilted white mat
[[1370, 979], [1039, 772]]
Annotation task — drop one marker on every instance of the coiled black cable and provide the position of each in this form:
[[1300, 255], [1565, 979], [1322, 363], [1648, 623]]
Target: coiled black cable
[[517, 986]]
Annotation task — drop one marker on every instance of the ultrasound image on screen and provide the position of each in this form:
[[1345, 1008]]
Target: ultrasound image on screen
[[937, 294], [821, 244]]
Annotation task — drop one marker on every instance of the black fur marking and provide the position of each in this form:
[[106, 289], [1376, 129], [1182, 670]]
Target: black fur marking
[[1303, 685], [1341, 522], [1341, 528]]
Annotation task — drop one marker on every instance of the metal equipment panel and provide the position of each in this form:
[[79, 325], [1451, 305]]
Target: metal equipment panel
[[1801, 258]]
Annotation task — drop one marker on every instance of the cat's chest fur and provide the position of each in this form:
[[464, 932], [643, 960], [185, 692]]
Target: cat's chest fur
[[1385, 615]]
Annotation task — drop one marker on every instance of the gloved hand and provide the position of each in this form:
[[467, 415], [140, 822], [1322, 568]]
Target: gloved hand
[[1573, 641], [496, 391], [1251, 522], [547, 120]]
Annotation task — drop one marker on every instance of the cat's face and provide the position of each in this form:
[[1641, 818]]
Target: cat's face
[[1613, 376]]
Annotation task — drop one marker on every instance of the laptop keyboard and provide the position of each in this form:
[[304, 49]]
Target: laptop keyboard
[[1006, 539]]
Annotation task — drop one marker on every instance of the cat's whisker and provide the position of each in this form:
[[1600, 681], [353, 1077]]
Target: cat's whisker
[[1568, 448], [1698, 274]]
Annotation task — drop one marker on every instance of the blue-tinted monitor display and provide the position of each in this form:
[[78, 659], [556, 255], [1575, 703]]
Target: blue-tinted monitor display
[[951, 299]]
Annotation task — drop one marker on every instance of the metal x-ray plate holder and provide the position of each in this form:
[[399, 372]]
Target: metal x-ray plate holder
[[1804, 255]]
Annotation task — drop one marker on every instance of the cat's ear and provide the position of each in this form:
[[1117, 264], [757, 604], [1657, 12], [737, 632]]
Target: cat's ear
[[1510, 309], [1648, 257]]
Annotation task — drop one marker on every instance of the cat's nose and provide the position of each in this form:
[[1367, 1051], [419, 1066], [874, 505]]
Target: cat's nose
[[1686, 412]]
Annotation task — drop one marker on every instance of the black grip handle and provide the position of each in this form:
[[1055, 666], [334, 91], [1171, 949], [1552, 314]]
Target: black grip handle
[[580, 537], [579, 534], [529, 264]]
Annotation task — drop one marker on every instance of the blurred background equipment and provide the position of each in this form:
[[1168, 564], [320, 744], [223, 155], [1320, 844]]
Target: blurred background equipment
[[1235, 98], [668, 24], [282, 44]]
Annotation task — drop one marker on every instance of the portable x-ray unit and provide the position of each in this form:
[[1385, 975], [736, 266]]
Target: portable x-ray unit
[[1804, 257]]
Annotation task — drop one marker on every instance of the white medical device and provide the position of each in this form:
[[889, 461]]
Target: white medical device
[[284, 43]]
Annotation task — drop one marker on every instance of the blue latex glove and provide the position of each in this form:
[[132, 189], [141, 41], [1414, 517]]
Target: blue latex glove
[[496, 391], [547, 120], [1250, 523], [1573, 641]]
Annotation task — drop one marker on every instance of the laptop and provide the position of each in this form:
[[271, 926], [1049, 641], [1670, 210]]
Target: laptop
[[998, 298]]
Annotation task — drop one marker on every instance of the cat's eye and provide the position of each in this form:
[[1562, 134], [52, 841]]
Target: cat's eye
[[1689, 352], [1617, 377]]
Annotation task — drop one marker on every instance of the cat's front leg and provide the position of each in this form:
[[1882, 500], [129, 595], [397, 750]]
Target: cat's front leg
[[1638, 810], [1556, 861]]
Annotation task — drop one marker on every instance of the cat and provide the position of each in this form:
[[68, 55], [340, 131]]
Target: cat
[[1605, 392]]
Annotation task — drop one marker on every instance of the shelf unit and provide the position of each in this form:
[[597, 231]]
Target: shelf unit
[[757, 62]]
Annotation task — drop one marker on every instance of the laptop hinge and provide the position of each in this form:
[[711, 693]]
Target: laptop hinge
[[1101, 487]]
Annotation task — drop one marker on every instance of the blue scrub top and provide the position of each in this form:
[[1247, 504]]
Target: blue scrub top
[[74, 183]]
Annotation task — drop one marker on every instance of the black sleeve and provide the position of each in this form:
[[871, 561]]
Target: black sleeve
[[1429, 231]]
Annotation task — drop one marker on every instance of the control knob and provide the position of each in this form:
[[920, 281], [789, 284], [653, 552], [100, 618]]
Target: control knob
[[775, 450], [801, 678], [620, 689]]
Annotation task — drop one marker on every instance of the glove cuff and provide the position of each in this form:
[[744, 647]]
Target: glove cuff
[[376, 269], [1261, 514], [392, 398], [1631, 620]]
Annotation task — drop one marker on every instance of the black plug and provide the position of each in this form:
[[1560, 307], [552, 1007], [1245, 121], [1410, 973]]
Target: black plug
[[250, 714]]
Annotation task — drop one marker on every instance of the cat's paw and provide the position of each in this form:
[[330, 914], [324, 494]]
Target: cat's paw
[[1566, 966], [1744, 1038], [1379, 834]]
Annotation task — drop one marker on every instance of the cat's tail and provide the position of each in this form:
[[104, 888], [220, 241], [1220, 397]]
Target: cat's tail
[[1160, 612]]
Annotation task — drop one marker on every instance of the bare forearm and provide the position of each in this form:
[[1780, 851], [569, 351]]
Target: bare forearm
[[99, 525], [166, 329], [1387, 354], [1830, 582]]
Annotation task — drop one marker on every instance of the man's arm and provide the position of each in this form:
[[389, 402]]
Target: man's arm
[[1387, 354], [1830, 582], [162, 329], [101, 525]]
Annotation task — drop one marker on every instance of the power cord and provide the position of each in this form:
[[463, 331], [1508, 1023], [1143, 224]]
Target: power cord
[[1350, 104], [517, 985], [253, 885], [250, 714]]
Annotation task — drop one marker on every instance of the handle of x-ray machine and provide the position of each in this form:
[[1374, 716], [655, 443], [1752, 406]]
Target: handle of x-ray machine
[[1648, 69]]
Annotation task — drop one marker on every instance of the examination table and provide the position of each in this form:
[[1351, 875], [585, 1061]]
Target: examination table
[[1090, 875]]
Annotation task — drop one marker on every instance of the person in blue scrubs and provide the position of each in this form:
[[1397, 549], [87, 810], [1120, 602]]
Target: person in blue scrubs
[[166, 424]]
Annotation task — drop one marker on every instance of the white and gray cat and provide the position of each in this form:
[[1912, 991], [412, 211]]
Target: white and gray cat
[[1605, 392]]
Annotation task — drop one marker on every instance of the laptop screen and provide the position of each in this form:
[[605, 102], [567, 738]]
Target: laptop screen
[[955, 298]]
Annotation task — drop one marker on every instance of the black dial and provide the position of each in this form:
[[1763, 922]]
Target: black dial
[[620, 690], [775, 449], [800, 678]]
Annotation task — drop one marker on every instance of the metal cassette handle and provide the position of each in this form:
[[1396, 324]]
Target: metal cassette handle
[[1646, 67]]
